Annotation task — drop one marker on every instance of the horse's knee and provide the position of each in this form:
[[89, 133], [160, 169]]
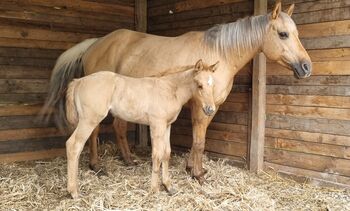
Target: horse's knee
[[199, 145]]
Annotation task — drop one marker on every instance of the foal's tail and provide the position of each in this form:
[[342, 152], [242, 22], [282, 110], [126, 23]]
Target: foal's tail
[[71, 110], [68, 66]]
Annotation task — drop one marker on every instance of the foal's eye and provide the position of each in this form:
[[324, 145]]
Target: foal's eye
[[283, 35]]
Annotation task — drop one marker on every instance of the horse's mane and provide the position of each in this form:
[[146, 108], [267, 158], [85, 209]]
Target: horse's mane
[[242, 35]]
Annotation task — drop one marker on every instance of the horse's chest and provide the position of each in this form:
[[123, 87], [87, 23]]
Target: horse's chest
[[222, 90]]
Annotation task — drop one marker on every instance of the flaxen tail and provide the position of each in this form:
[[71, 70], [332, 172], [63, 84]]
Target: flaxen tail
[[68, 66], [71, 109]]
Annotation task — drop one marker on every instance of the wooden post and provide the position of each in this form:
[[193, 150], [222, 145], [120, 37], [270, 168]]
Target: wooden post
[[141, 26], [256, 152]]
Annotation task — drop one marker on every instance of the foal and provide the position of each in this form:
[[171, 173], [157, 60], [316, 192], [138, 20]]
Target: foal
[[153, 101]]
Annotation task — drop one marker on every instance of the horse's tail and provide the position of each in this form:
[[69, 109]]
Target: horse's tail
[[68, 66], [71, 110]]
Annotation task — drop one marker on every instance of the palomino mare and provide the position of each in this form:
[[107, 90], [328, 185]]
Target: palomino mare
[[233, 44], [153, 101]]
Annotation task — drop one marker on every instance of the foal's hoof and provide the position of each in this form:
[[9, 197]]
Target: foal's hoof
[[130, 162], [100, 171]]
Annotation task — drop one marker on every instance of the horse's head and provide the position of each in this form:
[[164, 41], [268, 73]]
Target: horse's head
[[282, 44], [203, 77]]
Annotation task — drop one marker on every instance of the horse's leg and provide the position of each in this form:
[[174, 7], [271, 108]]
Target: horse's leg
[[158, 148], [200, 123], [94, 161], [121, 131], [165, 163], [74, 146]]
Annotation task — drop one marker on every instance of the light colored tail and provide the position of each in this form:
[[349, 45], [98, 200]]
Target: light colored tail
[[71, 110], [68, 66]]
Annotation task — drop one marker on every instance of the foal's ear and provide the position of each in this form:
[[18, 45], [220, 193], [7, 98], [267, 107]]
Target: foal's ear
[[199, 65], [276, 10], [290, 10], [214, 67]]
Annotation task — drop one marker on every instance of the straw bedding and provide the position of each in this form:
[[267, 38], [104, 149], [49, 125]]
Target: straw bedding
[[40, 185]]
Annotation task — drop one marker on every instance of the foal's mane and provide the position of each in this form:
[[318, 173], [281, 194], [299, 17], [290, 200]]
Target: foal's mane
[[242, 35]]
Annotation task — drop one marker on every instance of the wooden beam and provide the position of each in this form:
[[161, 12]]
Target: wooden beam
[[257, 136], [141, 26]]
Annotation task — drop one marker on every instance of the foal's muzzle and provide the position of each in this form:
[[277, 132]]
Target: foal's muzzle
[[209, 110], [302, 69]]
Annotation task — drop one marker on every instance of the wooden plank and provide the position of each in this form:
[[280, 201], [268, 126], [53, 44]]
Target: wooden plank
[[309, 112], [213, 134], [312, 177], [23, 86], [24, 72], [307, 161], [319, 68], [26, 98], [309, 100], [233, 128], [200, 13], [222, 147], [341, 41], [258, 113], [42, 34], [18, 110], [235, 107], [141, 26], [309, 136], [38, 62], [21, 122], [222, 116], [329, 126], [29, 133], [327, 55], [29, 145], [9, 42], [330, 80], [237, 98], [81, 5], [200, 4], [308, 147], [332, 14], [309, 90], [25, 156], [324, 29], [29, 53]]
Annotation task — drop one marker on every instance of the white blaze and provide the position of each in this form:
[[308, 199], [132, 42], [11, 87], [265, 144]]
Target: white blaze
[[210, 81]]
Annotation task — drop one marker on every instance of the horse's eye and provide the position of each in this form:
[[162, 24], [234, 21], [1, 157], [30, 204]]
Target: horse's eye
[[200, 87], [283, 35]]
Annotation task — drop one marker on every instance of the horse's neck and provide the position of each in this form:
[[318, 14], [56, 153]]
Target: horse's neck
[[184, 85], [238, 42]]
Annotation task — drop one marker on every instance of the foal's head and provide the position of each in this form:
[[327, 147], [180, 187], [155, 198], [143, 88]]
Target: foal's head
[[203, 77], [282, 43]]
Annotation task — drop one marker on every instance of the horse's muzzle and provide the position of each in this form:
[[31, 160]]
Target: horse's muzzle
[[209, 110], [302, 69]]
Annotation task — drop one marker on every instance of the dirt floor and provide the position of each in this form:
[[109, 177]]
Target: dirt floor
[[38, 185]]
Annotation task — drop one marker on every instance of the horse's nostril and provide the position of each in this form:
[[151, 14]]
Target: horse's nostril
[[305, 67]]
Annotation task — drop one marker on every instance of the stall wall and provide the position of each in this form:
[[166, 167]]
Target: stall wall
[[33, 33], [228, 133], [308, 121]]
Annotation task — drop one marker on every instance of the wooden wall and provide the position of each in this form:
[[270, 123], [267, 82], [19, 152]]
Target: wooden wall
[[228, 133], [33, 33], [308, 121]]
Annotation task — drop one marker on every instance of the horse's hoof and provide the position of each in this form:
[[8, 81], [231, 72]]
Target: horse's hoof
[[130, 162], [74, 194], [171, 191], [100, 171], [189, 169]]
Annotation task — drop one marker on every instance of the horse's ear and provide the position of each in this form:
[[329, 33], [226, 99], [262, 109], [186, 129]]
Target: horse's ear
[[214, 67], [199, 65], [276, 10], [290, 10]]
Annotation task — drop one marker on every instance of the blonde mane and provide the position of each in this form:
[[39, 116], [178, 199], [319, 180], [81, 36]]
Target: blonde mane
[[241, 36]]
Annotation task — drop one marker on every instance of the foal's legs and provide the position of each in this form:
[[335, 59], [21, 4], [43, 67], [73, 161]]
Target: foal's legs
[[94, 162], [165, 163], [121, 130], [200, 123], [158, 148], [74, 146]]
